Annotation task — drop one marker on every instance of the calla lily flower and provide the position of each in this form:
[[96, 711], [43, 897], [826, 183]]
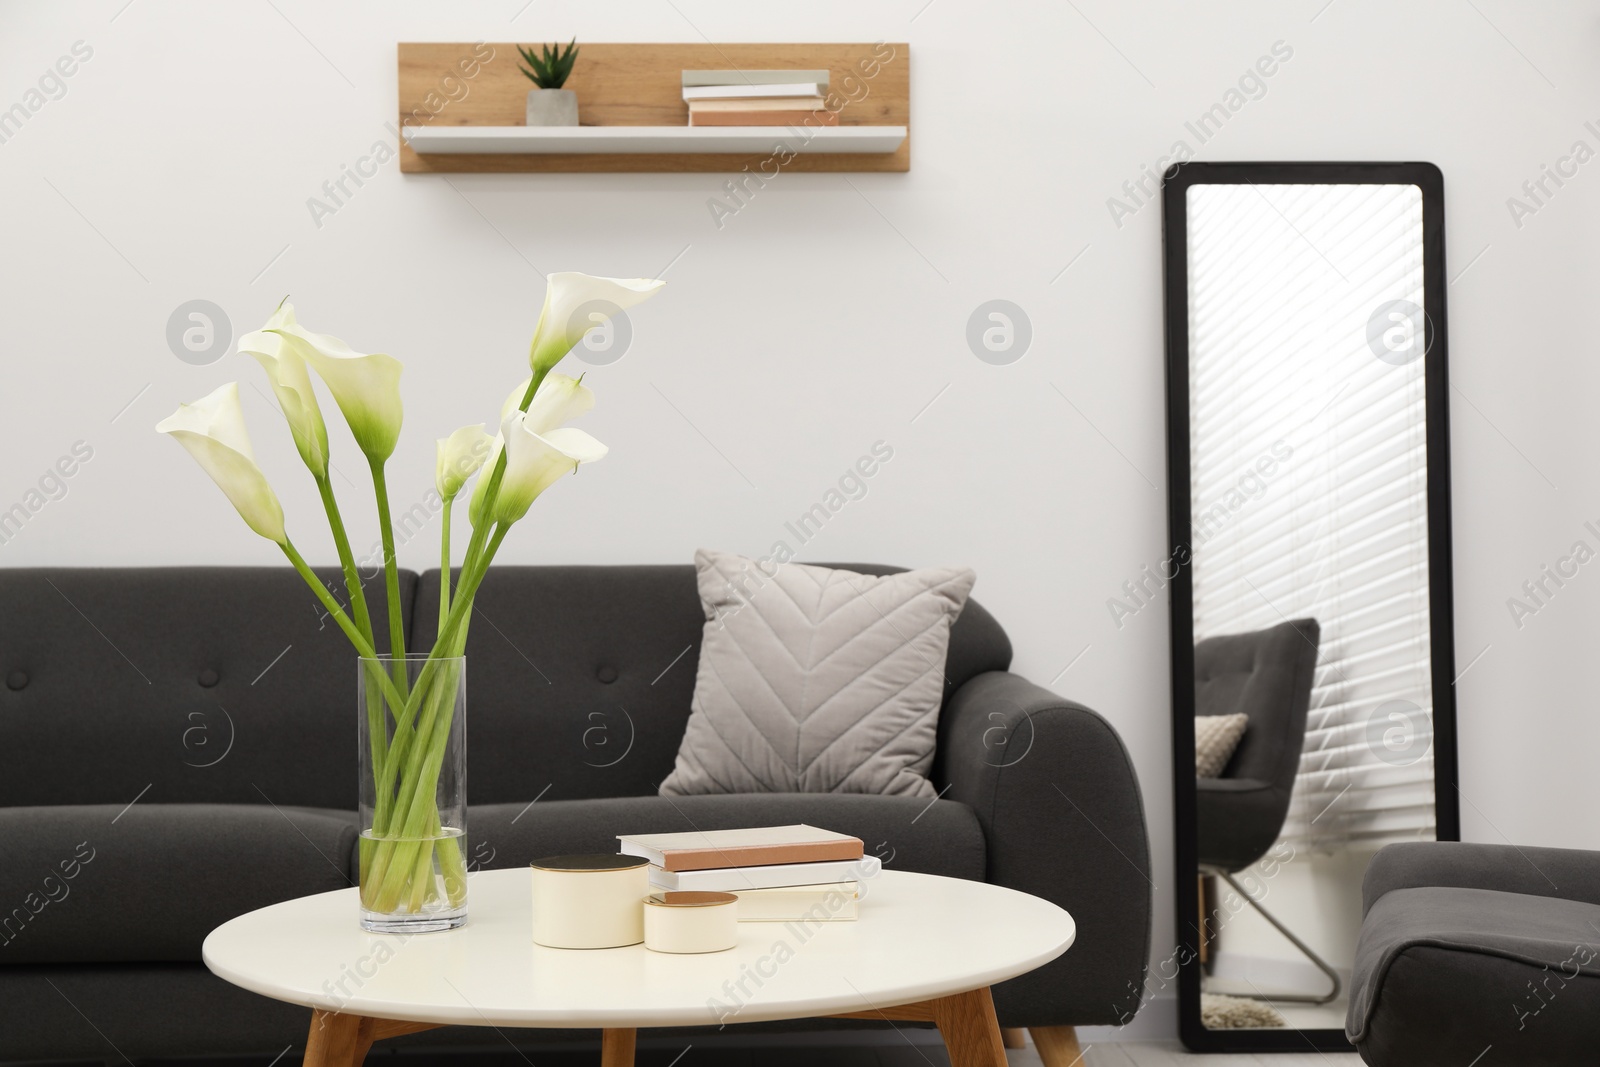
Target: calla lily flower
[[560, 399], [541, 449], [291, 384], [366, 387], [576, 303], [534, 462], [460, 456], [212, 429]]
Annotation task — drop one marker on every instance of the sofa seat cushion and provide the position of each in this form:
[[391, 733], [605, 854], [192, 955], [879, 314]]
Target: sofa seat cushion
[[103, 884], [906, 833], [1442, 972]]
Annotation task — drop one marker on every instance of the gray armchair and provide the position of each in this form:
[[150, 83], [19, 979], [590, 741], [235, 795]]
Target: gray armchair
[[1478, 954], [1267, 675]]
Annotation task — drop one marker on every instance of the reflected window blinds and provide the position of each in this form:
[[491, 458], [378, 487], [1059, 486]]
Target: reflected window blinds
[[1309, 479]]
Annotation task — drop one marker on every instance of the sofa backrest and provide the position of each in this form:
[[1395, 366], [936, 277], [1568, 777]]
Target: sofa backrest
[[176, 684], [580, 679], [226, 685]]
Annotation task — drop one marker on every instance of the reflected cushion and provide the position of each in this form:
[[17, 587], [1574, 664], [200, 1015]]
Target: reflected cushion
[[1215, 738]]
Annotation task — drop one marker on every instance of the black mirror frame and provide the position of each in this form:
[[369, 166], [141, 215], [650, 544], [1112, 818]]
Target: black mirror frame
[[1175, 185]]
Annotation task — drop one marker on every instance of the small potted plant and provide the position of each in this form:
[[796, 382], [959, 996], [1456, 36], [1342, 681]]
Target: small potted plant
[[549, 104]]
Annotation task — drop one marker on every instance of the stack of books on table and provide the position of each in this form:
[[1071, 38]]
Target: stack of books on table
[[757, 98], [779, 873]]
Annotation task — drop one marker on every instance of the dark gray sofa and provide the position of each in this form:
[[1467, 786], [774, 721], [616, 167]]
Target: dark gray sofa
[[177, 746]]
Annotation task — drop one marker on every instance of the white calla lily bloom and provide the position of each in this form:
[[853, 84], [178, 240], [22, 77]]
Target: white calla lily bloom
[[534, 462], [540, 448], [459, 457], [576, 303], [560, 399], [212, 430], [291, 384], [365, 386]]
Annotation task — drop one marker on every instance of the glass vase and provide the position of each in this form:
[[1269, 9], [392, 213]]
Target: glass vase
[[413, 758]]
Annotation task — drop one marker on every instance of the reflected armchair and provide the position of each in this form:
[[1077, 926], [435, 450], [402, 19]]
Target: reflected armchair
[[1267, 675]]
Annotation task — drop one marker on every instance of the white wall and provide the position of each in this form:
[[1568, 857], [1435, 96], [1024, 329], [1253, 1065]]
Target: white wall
[[827, 314]]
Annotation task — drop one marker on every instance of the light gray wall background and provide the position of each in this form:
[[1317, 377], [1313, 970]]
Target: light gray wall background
[[828, 314]]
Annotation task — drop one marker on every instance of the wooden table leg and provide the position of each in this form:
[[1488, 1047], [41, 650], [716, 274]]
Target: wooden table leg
[[1057, 1045], [970, 1030], [335, 1040], [338, 1040], [616, 1047]]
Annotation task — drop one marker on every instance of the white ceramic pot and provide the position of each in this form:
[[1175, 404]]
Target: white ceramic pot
[[691, 922], [551, 107], [589, 901]]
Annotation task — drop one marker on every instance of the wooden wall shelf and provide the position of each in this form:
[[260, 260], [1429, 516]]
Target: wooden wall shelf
[[665, 140], [461, 110]]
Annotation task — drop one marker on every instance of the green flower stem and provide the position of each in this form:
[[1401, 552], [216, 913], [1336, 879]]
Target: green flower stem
[[444, 567], [374, 710], [450, 645], [396, 858], [378, 745], [452, 866], [334, 610], [363, 647], [347, 559], [459, 609], [391, 574], [421, 876], [366, 848], [410, 844], [377, 740], [386, 689], [491, 493], [395, 864]]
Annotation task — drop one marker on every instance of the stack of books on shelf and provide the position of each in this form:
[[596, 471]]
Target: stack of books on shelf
[[757, 98], [779, 873]]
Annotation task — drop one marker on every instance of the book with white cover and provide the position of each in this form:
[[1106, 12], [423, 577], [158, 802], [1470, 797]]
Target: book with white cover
[[696, 850], [833, 902], [722, 92], [754, 77], [738, 879]]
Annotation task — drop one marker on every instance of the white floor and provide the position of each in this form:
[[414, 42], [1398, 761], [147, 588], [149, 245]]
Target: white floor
[[1163, 1054]]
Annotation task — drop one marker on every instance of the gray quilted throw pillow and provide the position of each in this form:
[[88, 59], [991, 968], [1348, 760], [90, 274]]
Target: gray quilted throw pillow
[[815, 680]]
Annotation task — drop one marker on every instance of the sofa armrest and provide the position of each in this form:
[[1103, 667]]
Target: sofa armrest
[[1062, 817], [1563, 873]]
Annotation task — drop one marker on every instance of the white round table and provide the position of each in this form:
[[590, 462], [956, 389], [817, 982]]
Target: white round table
[[925, 948]]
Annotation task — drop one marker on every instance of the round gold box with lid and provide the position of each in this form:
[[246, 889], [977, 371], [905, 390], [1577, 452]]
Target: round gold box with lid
[[589, 901]]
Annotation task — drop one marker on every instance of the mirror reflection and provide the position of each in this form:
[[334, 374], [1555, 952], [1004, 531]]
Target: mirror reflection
[[1309, 540]]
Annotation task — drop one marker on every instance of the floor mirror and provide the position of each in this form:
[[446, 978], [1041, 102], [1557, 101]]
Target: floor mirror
[[1309, 519]]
